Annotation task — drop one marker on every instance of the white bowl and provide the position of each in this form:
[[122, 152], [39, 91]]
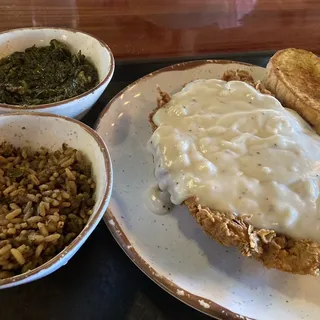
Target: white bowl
[[98, 52], [40, 129]]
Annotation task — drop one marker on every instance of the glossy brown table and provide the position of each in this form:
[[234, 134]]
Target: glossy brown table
[[100, 282], [176, 28]]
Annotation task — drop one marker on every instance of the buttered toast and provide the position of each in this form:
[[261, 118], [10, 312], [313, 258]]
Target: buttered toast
[[293, 76]]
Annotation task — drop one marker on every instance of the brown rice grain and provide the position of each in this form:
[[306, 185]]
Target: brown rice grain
[[41, 209], [46, 205], [42, 228], [18, 256], [11, 231], [55, 203], [28, 214], [69, 152], [30, 186], [79, 156], [35, 219], [27, 207], [44, 187], [42, 163], [52, 226], [34, 179], [47, 199], [26, 267], [32, 171], [67, 163], [53, 218], [47, 193], [38, 238], [32, 197], [23, 225], [64, 159], [39, 250], [53, 210], [15, 193], [13, 214], [55, 160], [70, 175], [52, 237], [23, 248], [73, 187], [8, 190], [5, 249], [65, 195], [65, 204], [24, 153]]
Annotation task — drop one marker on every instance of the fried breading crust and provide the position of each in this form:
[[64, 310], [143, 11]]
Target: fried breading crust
[[273, 250]]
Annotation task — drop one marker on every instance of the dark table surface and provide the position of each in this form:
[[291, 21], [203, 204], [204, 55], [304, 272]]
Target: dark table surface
[[100, 282]]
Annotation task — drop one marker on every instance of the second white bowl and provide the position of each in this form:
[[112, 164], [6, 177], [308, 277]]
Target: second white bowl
[[44, 130]]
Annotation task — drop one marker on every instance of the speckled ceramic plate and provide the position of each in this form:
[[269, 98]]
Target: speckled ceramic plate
[[172, 249]]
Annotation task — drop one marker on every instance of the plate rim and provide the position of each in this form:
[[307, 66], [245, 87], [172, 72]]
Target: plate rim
[[196, 302]]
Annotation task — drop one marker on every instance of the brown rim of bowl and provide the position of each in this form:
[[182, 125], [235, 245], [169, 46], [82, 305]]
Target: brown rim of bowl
[[96, 217], [54, 104], [212, 309]]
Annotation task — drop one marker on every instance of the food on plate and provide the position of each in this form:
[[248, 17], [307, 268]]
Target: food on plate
[[246, 167], [46, 199], [42, 75], [293, 75]]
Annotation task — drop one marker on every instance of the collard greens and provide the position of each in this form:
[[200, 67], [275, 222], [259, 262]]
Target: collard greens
[[43, 75]]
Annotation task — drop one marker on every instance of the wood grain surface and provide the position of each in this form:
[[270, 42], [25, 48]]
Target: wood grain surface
[[174, 28]]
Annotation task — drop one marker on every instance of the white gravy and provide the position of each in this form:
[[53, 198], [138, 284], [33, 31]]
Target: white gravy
[[158, 201], [239, 151]]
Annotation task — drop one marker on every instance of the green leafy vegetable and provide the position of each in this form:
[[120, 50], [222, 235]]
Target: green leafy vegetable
[[15, 172], [43, 75]]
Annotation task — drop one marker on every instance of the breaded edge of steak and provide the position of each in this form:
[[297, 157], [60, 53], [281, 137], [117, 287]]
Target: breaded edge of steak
[[265, 245]]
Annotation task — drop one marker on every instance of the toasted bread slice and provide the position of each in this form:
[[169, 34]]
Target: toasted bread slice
[[293, 75], [265, 245]]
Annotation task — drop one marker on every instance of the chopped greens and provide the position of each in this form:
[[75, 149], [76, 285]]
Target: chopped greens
[[43, 75]]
